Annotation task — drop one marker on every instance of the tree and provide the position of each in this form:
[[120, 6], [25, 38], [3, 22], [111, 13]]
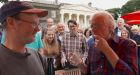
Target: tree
[[131, 6], [3, 1], [115, 12]]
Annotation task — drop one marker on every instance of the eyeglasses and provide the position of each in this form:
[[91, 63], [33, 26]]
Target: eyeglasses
[[71, 26], [34, 25]]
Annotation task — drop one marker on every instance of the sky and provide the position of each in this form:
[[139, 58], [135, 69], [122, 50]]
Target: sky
[[102, 4]]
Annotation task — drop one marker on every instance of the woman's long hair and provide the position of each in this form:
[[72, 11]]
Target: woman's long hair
[[53, 48]]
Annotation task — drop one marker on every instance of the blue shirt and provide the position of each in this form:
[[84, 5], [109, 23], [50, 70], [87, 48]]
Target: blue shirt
[[37, 44]]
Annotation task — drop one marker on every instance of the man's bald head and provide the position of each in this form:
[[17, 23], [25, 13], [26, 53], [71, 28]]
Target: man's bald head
[[50, 22], [103, 24], [103, 17]]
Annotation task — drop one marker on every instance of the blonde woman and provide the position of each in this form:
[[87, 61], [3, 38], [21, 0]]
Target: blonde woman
[[52, 47]]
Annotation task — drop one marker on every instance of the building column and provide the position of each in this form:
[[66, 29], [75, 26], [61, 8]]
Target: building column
[[70, 16], [85, 20], [62, 18], [77, 18]]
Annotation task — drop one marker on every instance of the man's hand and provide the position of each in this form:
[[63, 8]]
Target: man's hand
[[104, 47], [100, 43], [74, 59], [63, 60]]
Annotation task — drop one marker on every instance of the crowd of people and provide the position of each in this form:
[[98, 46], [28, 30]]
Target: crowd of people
[[108, 47]]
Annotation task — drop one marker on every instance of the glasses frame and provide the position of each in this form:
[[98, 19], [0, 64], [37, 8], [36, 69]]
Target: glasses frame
[[34, 25]]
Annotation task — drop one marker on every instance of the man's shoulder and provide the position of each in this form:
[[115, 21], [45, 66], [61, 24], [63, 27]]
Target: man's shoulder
[[126, 42], [66, 35]]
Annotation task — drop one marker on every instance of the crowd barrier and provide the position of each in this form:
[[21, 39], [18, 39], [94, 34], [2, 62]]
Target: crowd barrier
[[68, 72]]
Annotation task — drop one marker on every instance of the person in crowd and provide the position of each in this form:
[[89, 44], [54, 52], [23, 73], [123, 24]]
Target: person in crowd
[[60, 31], [52, 47], [125, 33], [120, 26], [87, 34], [50, 23], [20, 22], [135, 29], [111, 55], [73, 42], [134, 36]]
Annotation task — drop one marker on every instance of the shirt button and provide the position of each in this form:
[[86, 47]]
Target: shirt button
[[101, 66]]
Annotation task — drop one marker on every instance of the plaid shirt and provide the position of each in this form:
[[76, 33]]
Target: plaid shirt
[[75, 44], [98, 64]]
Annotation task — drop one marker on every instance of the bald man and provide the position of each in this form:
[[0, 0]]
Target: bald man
[[111, 55]]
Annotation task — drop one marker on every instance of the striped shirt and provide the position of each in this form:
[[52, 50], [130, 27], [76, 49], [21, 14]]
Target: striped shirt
[[75, 44]]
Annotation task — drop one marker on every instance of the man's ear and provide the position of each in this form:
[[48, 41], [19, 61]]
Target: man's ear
[[10, 22]]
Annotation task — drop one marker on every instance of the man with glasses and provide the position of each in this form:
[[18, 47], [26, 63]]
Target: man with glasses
[[20, 22], [73, 42], [111, 55]]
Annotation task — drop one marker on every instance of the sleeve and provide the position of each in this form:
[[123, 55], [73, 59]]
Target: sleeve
[[129, 65], [40, 42], [62, 48]]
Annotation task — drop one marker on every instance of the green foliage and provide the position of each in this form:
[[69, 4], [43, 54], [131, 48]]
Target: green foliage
[[115, 12], [3, 1], [131, 6]]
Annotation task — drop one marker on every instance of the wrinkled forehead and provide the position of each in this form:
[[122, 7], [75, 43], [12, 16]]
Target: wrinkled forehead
[[60, 25], [104, 19], [97, 19]]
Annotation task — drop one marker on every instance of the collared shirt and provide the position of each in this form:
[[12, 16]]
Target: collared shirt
[[117, 31], [74, 43], [127, 64]]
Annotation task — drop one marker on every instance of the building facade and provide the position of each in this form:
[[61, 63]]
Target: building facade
[[62, 12], [80, 13]]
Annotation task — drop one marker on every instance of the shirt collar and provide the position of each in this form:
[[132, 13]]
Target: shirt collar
[[73, 34]]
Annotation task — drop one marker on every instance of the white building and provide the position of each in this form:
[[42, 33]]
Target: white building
[[62, 12], [80, 13]]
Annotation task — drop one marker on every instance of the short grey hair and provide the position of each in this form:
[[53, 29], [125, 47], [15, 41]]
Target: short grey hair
[[108, 17]]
